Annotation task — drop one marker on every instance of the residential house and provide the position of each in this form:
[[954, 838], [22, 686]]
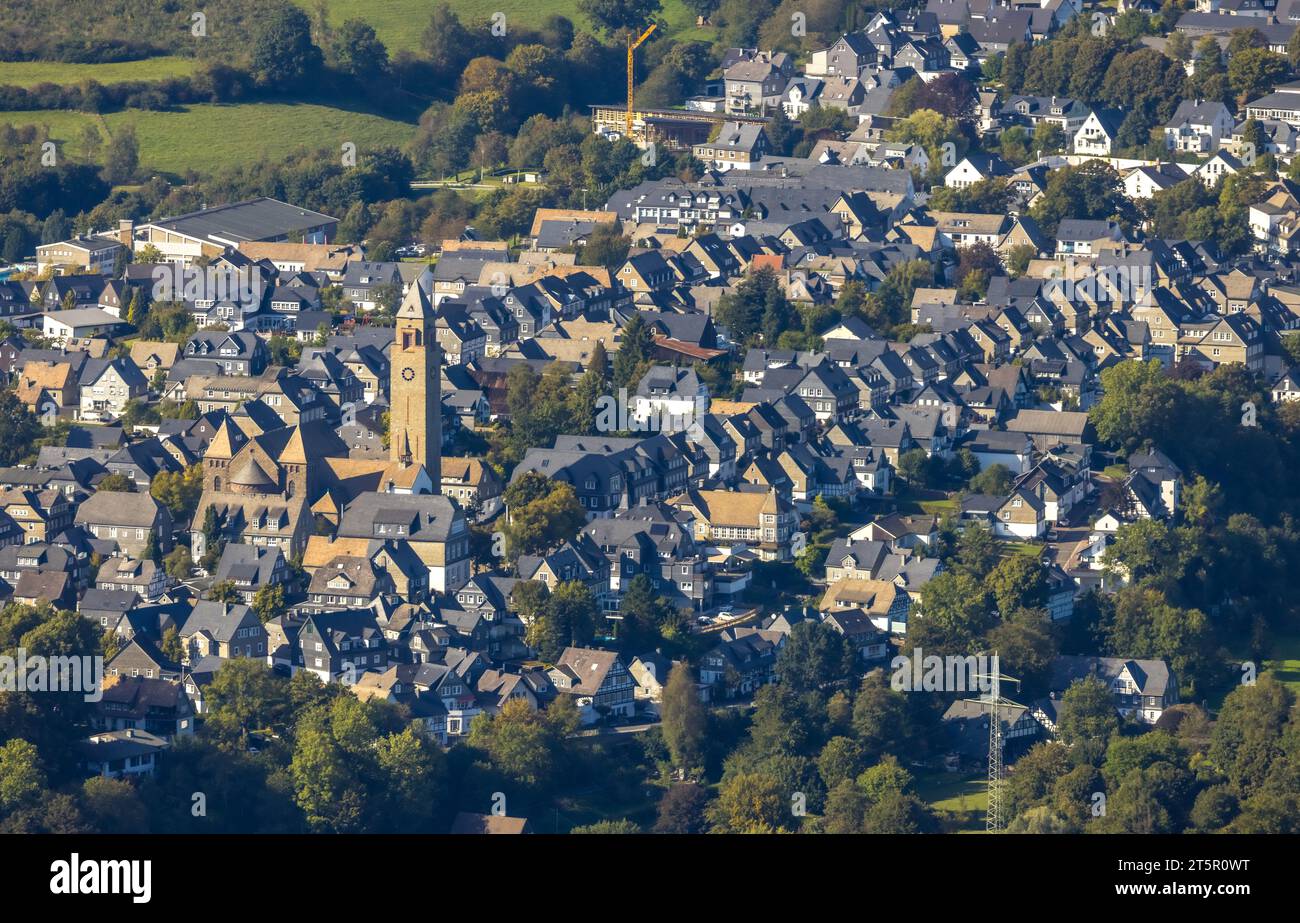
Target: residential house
[[107, 386], [1199, 127], [1141, 689], [132, 519], [743, 661], [762, 520], [124, 754], [1099, 132], [599, 683], [225, 630], [737, 146]]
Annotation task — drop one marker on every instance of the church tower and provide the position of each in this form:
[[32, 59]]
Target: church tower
[[415, 387]]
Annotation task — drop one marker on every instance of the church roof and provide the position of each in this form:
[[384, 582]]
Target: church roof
[[417, 302], [225, 442], [251, 474], [295, 452], [326, 503]]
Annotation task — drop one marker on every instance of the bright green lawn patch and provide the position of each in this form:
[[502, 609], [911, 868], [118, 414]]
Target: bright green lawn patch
[[400, 23], [939, 507], [30, 73], [1285, 664], [1029, 549], [1115, 472], [962, 797], [913, 501], [209, 136], [592, 807]]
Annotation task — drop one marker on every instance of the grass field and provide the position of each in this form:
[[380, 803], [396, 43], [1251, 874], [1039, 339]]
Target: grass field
[[940, 507], [1028, 549], [400, 23], [30, 73], [206, 137], [1285, 664], [209, 136], [960, 798], [595, 806], [916, 501], [1282, 663]]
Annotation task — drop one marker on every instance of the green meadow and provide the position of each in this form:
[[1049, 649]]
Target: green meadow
[[400, 23], [210, 136], [30, 73], [206, 137]]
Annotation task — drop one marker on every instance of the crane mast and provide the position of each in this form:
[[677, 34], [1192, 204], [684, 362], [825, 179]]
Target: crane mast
[[632, 46]]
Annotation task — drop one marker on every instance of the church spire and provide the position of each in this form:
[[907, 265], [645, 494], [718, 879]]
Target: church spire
[[415, 385], [417, 304]]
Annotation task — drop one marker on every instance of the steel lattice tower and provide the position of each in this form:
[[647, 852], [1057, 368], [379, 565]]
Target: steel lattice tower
[[993, 820], [993, 817]]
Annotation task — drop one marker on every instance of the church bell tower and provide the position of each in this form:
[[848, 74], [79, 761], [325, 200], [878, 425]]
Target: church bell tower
[[415, 387]]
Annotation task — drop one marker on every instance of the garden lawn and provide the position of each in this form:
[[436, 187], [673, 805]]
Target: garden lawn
[[913, 501], [1285, 664], [1029, 549], [961, 798]]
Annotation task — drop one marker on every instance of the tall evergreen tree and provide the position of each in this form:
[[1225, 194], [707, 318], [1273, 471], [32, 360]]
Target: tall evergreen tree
[[634, 352], [685, 724]]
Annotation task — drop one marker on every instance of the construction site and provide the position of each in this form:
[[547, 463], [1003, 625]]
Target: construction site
[[673, 129]]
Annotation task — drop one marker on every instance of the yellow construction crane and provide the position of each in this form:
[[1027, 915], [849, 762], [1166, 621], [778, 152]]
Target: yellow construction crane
[[631, 47]]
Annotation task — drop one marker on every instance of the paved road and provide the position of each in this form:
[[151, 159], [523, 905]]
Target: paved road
[[452, 184]]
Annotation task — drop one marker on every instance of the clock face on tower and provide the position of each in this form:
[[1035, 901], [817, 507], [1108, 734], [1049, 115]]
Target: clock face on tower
[[415, 408]]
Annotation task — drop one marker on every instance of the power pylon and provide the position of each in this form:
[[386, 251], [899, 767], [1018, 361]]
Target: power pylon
[[993, 820]]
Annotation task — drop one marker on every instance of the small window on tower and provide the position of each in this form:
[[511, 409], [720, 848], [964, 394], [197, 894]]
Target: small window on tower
[[406, 339]]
